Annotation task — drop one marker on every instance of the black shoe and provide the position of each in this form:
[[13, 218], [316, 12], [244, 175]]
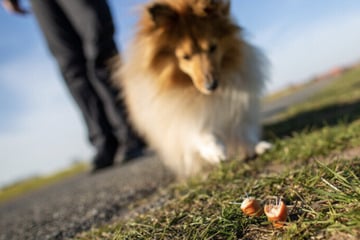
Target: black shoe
[[135, 148], [133, 154], [98, 167], [105, 156], [101, 163]]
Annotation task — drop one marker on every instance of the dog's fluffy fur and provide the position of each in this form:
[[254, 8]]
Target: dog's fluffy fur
[[192, 84]]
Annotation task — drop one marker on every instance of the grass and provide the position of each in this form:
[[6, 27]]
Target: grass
[[25, 186], [206, 210], [314, 166], [338, 102]]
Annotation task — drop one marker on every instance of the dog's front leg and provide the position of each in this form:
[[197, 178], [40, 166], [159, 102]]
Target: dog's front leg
[[211, 148], [250, 141]]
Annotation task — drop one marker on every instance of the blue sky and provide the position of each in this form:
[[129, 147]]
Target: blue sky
[[40, 128]]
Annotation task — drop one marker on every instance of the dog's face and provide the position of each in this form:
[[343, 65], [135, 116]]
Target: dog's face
[[195, 33], [200, 59]]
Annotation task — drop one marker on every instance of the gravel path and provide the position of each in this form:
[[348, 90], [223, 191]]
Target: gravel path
[[60, 211]]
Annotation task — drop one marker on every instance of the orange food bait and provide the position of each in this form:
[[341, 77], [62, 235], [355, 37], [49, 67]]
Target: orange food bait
[[251, 207], [276, 213]]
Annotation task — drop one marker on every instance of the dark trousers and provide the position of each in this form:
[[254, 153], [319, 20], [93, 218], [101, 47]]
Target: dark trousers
[[79, 34]]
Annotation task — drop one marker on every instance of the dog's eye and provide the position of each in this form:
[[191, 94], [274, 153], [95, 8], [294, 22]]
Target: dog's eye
[[212, 48], [187, 57]]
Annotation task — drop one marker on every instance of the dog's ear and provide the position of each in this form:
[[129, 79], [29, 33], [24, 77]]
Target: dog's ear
[[213, 7], [163, 15]]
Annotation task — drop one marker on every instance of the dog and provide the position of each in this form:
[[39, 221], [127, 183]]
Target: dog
[[192, 84]]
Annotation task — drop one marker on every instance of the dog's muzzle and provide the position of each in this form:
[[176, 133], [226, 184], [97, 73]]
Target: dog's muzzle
[[212, 86]]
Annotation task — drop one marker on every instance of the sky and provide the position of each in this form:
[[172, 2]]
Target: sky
[[41, 129]]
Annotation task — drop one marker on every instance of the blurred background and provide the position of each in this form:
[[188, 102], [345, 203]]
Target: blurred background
[[41, 130]]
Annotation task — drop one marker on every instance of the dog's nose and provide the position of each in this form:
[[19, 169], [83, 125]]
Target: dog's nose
[[212, 86]]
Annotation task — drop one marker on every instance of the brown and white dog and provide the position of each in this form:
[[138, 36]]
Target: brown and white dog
[[192, 84]]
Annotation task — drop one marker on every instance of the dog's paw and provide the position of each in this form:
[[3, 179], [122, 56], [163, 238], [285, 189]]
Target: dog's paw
[[262, 147], [211, 149]]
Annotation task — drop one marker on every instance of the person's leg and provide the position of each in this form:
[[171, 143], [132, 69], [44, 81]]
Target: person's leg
[[93, 21], [66, 46]]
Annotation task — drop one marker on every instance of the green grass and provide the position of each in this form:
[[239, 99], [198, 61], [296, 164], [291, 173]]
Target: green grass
[[22, 187], [338, 102], [307, 168]]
